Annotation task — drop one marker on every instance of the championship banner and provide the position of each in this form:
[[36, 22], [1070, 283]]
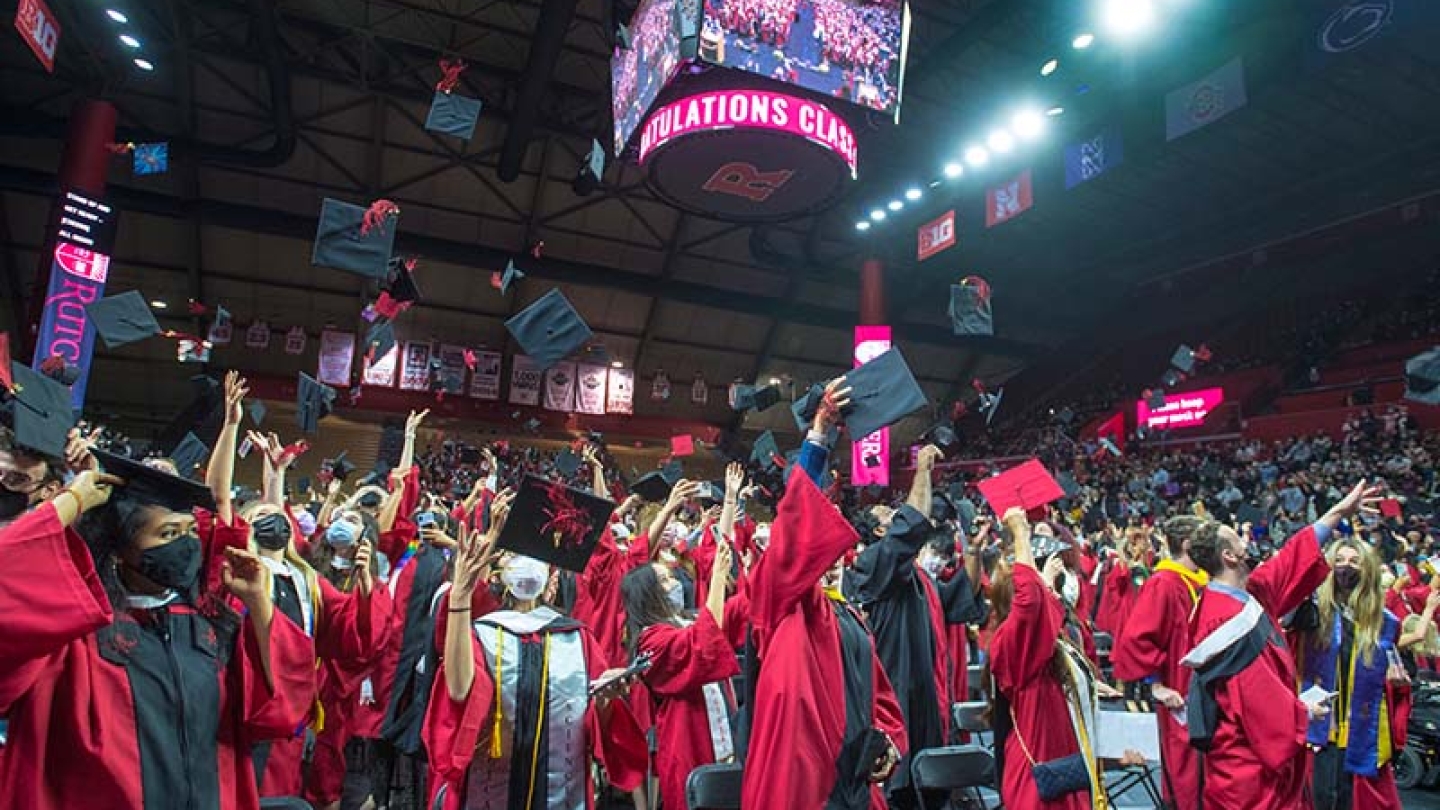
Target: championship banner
[[660, 389], [699, 391], [524, 381], [84, 236], [257, 335], [452, 368], [1205, 101], [382, 371], [560, 387], [485, 382], [294, 340], [590, 395], [621, 391], [935, 236], [415, 367], [1091, 158], [337, 352], [1008, 200]]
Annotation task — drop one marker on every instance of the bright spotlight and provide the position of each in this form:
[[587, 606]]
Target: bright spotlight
[[1028, 124], [1128, 17], [117, 16], [954, 170], [1049, 67], [1001, 141], [129, 41], [144, 64], [977, 156], [862, 225], [912, 194], [1055, 112], [878, 215], [1082, 42], [158, 304]]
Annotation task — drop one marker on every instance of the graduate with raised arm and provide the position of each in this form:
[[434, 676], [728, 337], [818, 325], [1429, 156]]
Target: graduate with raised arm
[[511, 723], [1152, 643], [1243, 710], [126, 683], [910, 614], [825, 728]]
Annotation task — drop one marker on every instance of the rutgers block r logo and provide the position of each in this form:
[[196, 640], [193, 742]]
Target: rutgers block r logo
[[744, 180]]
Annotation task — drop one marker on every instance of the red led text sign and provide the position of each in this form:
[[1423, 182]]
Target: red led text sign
[[1181, 410], [750, 109], [37, 26]]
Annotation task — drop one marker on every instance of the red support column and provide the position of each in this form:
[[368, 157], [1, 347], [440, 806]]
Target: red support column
[[872, 292]]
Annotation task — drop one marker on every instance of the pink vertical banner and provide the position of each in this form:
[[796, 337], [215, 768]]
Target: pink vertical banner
[[870, 342]]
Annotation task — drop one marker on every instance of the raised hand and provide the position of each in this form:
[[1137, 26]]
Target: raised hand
[[412, 422], [77, 450], [245, 577], [734, 480], [591, 456], [93, 488], [683, 491], [470, 567], [363, 577], [236, 390], [835, 400], [928, 455]]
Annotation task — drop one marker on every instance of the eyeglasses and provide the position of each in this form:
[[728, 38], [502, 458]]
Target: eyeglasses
[[19, 481]]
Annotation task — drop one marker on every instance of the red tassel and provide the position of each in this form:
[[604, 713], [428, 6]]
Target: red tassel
[[470, 360], [495, 279], [389, 307], [538, 249], [197, 308], [1202, 354], [119, 148], [451, 68], [376, 215]]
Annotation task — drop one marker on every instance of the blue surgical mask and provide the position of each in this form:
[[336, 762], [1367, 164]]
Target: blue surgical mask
[[676, 595], [342, 533]]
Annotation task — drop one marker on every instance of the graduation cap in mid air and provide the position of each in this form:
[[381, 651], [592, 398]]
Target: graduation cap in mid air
[[1155, 399], [942, 435], [753, 398], [683, 445], [1171, 378], [1183, 359], [340, 466], [314, 401], [401, 292], [989, 401], [655, 486], [1028, 485], [804, 408], [42, 416], [970, 312], [882, 392], [453, 114], [148, 485], [555, 523], [150, 158], [257, 412], [123, 318], [567, 463], [1422, 377], [355, 239], [765, 450], [622, 36], [189, 454], [549, 329], [504, 281], [379, 340]]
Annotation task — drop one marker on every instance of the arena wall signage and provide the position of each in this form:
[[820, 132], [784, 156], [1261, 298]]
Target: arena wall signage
[[84, 235], [1181, 410], [870, 342]]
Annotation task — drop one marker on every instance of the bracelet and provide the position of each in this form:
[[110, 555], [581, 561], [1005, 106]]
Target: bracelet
[[465, 609]]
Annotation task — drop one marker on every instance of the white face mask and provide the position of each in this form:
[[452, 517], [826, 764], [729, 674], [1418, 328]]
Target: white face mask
[[676, 595], [933, 566], [525, 577], [1070, 591]]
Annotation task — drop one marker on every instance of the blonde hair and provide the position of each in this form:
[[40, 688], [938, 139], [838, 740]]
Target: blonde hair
[[256, 509], [1366, 600]]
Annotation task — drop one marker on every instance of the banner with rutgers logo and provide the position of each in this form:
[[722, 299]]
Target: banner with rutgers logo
[[524, 381], [590, 395], [560, 387]]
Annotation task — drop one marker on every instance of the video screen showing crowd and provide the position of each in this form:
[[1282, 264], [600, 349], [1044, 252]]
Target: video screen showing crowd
[[485, 625]]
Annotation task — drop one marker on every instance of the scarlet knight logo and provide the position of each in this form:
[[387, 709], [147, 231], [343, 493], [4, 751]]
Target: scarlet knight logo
[[744, 180]]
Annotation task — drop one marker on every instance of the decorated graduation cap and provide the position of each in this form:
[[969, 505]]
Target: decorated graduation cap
[[549, 329], [56, 368], [354, 239], [148, 485], [989, 401], [189, 454], [970, 312], [882, 392], [42, 416], [1028, 485], [150, 158], [452, 113], [1422, 377], [123, 318], [555, 523], [314, 401], [401, 292]]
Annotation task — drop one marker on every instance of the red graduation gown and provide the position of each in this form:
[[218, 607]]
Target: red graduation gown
[[1020, 655], [685, 659], [1152, 642], [75, 735], [1258, 760], [798, 726]]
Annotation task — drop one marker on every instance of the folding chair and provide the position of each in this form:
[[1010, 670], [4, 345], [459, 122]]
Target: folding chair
[[969, 716], [284, 803], [1104, 644], [952, 768], [713, 787], [973, 674]]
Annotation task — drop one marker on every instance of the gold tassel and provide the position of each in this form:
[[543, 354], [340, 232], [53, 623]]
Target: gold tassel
[[495, 748]]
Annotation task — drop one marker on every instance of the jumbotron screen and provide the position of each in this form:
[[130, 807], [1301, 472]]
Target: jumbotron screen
[[1181, 410], [848, 49], [639, 73]]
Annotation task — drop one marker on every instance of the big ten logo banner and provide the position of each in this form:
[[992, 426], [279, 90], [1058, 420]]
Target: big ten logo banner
[[935, 236], [744, 180], [37, 26]]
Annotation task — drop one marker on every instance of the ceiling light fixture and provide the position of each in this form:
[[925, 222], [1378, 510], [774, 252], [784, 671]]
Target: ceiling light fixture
[[1082, 42], [117, 16], [158, 304], [1049, 67], [878, 215], [1054, 112], [1127, 18], [913, 193], [144, 64], [954, 170], [862, 225], [1001, 141], [1028, 124], [977, 156], [129, 41], [895, 205]]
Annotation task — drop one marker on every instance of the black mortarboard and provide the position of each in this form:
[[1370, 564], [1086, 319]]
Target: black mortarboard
[[453, 114], [765, 450], [1170, 378], [1422, 377], [882, 392], [189, 454], [402, 286], [340, 467], [970, 310], [42, 413], [567, 463], [804, 408], [1155, 399], [123, 318], [758, 399], [549, 329], [942, 435], [149, 485], [314, 400], [652, 486], [1183, 359], [257, 412], [964, 511], [555, 523], [379, 339], [377, 475], [341, 244], [595, 161], [532, 425], [511, 275]]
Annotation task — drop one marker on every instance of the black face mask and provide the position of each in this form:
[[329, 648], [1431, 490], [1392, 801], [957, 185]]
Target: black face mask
[[1346, 578], [12, 503], [272, 532], [173, 565]]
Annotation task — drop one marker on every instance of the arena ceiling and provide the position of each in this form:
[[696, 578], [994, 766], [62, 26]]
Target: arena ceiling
[[271, 105]]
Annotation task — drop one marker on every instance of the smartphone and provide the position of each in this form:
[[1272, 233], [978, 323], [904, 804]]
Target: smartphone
[[639, 665], [425, 520]]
